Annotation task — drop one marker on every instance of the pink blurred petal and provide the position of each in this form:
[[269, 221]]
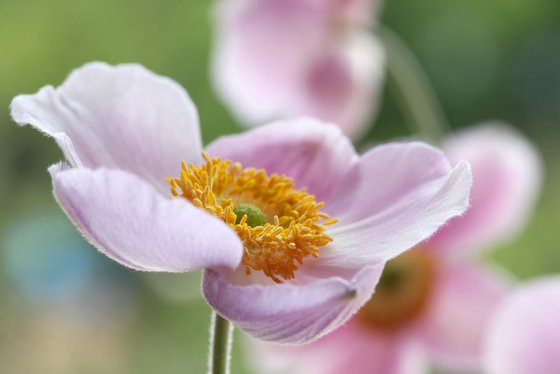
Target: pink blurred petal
[[525, 335], [356, 12], [506, 181], [290, 313], [129, 221], [122, 117], [342, 84], [464, 302], [282, 58], [261, 52], [353, 348], [396, 196], [315, 155]]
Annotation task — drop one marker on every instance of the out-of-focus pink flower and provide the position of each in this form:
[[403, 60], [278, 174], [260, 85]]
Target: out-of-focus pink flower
[[524, 337], [507, 178], [433, 304], [281, 58], [275, 264]]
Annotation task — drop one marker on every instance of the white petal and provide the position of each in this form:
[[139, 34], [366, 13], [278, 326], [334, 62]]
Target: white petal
[[129, 221], [122, 117], [290, 313], [396, 196]]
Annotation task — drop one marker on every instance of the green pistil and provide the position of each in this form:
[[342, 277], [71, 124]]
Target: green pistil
[[392, 276], [255, 216]]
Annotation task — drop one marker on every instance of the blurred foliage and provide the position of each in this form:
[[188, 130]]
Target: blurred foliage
[[487, 59]]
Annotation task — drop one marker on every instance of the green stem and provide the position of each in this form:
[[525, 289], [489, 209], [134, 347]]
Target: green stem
[[411, 88], [221, 340]]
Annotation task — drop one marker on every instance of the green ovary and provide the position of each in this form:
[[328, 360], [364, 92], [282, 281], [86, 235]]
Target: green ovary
[[255, 216]]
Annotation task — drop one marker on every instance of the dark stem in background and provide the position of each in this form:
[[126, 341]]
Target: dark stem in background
[[412, 89], [221, 340]]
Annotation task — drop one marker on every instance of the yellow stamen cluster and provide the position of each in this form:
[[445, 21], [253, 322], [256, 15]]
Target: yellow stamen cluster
[[295, 227]]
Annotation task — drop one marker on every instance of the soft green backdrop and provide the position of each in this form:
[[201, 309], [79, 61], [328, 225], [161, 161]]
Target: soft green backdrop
[[487, 59]]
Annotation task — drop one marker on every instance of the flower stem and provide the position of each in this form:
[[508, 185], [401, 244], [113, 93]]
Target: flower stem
[[411, 88], [221, 340]]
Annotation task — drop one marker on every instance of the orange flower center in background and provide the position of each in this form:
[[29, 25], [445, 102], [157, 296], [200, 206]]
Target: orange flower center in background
[[278, 224], [403, 292]]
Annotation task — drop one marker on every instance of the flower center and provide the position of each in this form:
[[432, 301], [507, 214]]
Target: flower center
[[402, 293], [278, 224], [255, 216]]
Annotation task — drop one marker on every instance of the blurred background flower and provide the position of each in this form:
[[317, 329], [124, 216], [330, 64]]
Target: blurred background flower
[[525, 334], [491, 59], [277, 59]]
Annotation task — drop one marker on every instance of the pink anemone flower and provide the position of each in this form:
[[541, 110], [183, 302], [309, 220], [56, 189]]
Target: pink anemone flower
[[275, 59], [433, 304], [290, 225], [524, 337]]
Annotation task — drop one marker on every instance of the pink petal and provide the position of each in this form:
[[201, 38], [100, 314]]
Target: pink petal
[[122, 117], [507, 178], [354, 12], [127, 220], [314, 154], [262, 49], [464, 302], [342, 84], [525, 335], [284, 58], [353, 348], [290, 313], [395, 197]]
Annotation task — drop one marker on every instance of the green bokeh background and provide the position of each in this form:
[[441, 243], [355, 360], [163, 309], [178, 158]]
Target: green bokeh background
[[486, 59]]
